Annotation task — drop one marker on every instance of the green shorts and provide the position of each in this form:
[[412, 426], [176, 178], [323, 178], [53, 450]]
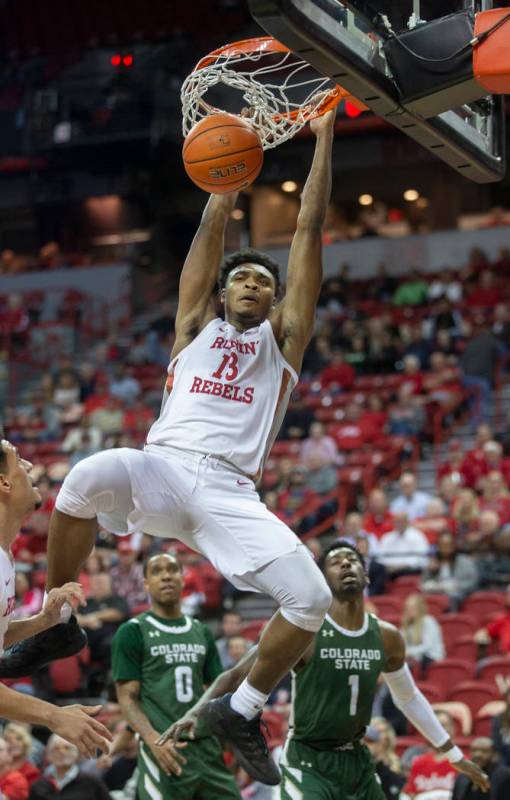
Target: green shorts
[[204, 776], [309, 774]]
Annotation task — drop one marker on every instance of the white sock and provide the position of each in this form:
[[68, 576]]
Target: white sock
[[65, 611], [248, 701]]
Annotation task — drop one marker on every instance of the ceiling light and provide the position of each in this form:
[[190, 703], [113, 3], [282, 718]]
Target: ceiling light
[[237, 213], [411, 195], [365, 199], [289, 186]]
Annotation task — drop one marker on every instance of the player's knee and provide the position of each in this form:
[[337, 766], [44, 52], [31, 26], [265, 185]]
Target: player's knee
[[311, 605]]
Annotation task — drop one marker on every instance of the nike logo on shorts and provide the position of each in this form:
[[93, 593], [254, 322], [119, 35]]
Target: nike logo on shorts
[[244, 483]]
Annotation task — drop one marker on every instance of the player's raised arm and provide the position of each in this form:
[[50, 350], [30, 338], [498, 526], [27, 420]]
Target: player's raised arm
[[417, 709], [200, 270], [294, 318]]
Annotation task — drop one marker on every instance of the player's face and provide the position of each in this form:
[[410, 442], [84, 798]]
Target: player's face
[[16, 483], [249, 294], [164, 580], [344, 573]]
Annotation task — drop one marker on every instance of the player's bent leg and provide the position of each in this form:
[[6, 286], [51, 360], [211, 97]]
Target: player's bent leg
[[298, 585]]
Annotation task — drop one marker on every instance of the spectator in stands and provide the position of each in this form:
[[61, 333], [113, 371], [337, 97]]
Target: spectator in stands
[[377, 518], [19, 742], [127, 575], [496, 496], [410, 499], [465, 512], [492, 459], [498, 630], [13, 785], [338, 375], [108, 418], [67, 389], [453, 466], [474, 459], [416, 344], [484, 754], [494, 567], [449, 572], [101, 617], [294, 501], [351, 433], [237, 648], [484, 534], [321, 478], [486, 294], [29, 599], [318, 446], [432, 771], [374, 418], [407, 416], [500, 730], [422, 633], [387, 743], [391, 780], [442, 381], [193, 589], [411, 292], [435, 521], [478, 363], [353, 530], [231, 624], [445, 285], [375, 570], [123, 385], [298, 419], [63, 778], [501, 325], [405, 549], [74, 439]]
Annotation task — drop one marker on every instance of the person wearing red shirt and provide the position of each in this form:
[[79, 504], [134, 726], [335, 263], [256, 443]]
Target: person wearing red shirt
[[492, 461], [351, 433], [374, 418], [412, 373], [377, 519], [473, 460], [453, 465], [496, 496], [19, 742], [498, 630], [486, 294], [339, 374], [13, 785], [432, 772]]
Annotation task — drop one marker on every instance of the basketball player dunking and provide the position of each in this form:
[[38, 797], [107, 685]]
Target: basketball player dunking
[[228, 386]]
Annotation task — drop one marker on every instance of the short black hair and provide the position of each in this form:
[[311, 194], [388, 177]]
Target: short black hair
[[341, 544], [3, 459], [249, 256], [156, 555]]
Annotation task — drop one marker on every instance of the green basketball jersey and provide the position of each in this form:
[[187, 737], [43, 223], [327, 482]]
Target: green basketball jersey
[[172, 659], [334, 692]]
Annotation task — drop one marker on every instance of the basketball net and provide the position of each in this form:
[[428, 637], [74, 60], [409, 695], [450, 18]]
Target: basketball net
[[279, 92]]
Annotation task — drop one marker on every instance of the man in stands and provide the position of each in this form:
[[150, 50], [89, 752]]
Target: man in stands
[[411, 500], [231, 624], [498, 630], [377, 519], [18, 499], [63, 779], [404, 550], [484, 754], [127, 575]]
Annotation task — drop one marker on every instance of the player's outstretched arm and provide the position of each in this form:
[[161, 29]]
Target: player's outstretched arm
[[74, 723], [70, 593], [228, 681], [200, 271], [417, 709], [294, 318], [167, 755]]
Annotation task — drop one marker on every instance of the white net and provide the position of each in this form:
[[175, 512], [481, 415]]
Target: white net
[[276, 91]]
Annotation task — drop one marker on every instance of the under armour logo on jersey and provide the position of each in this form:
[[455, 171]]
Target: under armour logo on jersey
[[153, 633], [328, 633]]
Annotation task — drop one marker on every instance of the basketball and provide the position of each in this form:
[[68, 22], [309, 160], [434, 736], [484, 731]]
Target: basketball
[[222, 153]]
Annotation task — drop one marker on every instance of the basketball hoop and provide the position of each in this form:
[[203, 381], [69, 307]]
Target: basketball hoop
[[277, 92]]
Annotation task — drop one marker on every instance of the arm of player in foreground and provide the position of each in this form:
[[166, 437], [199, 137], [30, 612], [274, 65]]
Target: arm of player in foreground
[[294, 317], [71, 593], [417, 709], [200, 271], [167, 755], [226, 682], [75, 724]]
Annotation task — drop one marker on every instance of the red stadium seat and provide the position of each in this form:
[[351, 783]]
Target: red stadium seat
[[449, 673], [482, 604], [474, 694], [483, 721], [385, 604], [457, 625], [433, 692], [252, 630], [405, 584], [489, 669], [464, 647], [403, 743], [436, 603]]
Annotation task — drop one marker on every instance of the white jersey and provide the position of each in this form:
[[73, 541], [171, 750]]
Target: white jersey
[[226, 396], [7, 597]]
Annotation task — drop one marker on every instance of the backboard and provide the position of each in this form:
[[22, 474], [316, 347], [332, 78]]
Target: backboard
[[345, 41]]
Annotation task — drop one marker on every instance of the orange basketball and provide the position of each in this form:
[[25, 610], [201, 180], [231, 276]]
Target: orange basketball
[[222, 153]]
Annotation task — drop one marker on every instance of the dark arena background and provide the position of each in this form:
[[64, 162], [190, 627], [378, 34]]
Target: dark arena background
[[397, 434]]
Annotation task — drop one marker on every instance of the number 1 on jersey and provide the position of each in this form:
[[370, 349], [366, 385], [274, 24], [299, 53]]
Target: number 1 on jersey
[[354, 684]]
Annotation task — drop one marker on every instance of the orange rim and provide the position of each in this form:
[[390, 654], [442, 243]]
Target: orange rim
[[266, 44]]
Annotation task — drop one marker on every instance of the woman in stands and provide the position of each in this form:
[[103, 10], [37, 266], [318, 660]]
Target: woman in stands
[[422, 634], [450, 572]]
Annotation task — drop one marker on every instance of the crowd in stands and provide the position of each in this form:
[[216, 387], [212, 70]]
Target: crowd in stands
[[387, 379]]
